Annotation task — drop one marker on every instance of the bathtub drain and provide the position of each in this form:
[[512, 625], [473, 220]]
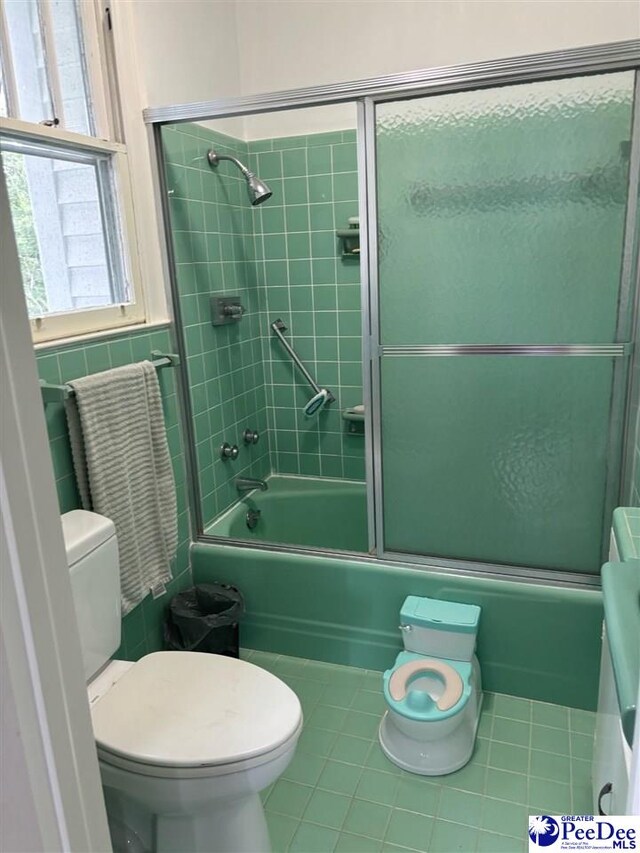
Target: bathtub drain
[[253, 517]]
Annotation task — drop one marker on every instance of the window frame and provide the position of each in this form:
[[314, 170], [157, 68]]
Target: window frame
[[99, 58]]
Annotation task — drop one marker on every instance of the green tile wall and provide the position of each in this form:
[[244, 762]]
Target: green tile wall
[[283, 259], [213, 225], [142, 627], [317, 294]]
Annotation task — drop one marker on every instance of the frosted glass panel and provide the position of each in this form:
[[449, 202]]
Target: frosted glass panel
[[496, 459], [501, 213]]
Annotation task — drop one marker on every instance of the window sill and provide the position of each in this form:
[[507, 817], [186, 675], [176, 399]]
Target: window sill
[[103, 335]]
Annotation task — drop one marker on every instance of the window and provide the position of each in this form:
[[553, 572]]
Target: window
[[66, 169]]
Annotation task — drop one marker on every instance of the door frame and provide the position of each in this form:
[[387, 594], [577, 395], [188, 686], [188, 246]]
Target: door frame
[[50, 768]]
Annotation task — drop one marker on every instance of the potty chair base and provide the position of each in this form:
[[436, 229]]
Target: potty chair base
[[436, 757]]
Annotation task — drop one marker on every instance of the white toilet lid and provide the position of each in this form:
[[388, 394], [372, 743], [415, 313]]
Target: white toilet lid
[[188, 709]]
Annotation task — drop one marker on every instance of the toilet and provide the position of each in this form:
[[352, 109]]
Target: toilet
[[433, 692], [186, 741]]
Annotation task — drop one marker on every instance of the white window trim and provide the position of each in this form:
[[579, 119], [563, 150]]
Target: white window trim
[[104, 95], [133, 175], [68, 324], [152, 254]]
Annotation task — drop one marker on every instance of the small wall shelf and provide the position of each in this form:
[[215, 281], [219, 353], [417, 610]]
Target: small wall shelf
[[350, 239], [355, 419]]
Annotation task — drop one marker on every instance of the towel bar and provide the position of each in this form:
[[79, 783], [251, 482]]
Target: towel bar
[[59, 393]]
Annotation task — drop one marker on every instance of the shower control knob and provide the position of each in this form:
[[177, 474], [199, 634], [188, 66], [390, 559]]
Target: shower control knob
[[226, 310], [235, 311], [229, 451], [250, 436]]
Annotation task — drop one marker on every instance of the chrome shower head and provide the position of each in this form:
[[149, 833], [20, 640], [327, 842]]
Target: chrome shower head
[[257, 190]]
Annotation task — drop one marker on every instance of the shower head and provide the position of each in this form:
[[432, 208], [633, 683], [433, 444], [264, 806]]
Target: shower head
[[257, 190]]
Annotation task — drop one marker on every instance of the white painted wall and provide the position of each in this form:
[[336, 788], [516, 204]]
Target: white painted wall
[[187, 50], [206, 49], [287, 44]]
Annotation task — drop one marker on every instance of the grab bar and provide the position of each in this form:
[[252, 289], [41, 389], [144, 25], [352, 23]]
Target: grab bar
[[279, 327]]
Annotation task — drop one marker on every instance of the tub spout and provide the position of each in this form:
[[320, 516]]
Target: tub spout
[[248, 484]]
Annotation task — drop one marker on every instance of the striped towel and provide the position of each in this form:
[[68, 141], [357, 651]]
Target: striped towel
[[123, 469]]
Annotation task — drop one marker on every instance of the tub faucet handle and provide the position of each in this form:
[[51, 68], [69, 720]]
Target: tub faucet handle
[[250, 436], [406, 628], [228, 451]]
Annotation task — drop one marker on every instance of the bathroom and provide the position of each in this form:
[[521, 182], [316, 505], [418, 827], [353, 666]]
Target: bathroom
[[425, 230]]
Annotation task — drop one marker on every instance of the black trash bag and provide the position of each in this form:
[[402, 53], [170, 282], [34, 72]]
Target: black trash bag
[[205, 619]]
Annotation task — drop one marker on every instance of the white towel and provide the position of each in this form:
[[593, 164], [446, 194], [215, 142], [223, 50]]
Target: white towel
[[124, 472]]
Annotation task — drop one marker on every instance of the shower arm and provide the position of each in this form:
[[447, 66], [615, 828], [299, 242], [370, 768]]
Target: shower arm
[[214, 158], [257, 190], [279, 327]]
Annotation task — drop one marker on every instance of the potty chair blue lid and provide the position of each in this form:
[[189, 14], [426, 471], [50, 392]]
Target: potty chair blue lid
[[440, 615]]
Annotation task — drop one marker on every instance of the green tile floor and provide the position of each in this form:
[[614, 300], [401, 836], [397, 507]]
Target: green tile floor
[[340, 793]]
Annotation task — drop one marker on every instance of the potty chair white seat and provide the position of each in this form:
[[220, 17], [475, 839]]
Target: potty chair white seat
[[186, 741], [403, 676]]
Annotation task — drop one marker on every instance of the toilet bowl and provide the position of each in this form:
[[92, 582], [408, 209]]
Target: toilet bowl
[[433, 691], [186, 741]]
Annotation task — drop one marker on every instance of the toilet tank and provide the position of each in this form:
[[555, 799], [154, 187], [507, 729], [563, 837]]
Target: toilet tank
[[92, 557], [441, 629]]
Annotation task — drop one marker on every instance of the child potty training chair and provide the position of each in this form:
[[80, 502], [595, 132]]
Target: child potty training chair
[[433, 692]]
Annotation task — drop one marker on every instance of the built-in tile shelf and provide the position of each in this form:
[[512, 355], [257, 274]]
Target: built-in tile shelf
[[355, 419], [350, 239]]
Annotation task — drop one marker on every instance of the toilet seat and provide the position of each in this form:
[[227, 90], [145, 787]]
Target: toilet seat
[[205, 771], [453, 685], [189, 710]]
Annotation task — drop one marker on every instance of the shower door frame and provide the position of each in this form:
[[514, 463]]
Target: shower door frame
[[365, 94], [626, 335]]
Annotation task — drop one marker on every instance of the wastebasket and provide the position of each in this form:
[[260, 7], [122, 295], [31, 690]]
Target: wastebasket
[[205, 618]]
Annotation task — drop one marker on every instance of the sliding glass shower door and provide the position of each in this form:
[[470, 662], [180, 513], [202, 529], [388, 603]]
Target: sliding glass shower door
[[503, 309]]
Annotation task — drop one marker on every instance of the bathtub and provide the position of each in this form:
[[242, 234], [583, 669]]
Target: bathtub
[[309, 512], [540, 642]]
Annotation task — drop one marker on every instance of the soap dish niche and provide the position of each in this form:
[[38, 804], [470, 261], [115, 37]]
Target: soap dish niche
[[350, 239], [354, 416]]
